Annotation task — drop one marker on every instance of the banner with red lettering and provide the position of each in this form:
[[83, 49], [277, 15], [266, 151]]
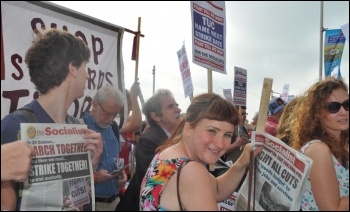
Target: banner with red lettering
[[240, 87], [185, 71], [209, 34], [20, 20]]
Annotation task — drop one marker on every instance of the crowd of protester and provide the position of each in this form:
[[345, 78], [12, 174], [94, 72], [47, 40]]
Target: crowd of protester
[[315, 123]]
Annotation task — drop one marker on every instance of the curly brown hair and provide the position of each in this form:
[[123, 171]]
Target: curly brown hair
[[287, 120], [308, 125]]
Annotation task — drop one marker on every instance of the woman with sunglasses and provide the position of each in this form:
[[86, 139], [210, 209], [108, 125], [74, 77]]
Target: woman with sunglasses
[[322, 133]]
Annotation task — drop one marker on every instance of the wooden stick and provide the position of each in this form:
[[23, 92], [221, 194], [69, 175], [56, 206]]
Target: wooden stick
[[210, 90], [136, 78], [137, 48], [264, 104]]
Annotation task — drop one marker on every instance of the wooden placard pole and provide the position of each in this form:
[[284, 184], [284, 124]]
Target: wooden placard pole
[[210, 90], [264, 104], [210, 81], [137, 48], [132, 167]]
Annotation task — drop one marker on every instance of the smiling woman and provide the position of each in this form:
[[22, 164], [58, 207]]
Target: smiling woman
[[202, 136]]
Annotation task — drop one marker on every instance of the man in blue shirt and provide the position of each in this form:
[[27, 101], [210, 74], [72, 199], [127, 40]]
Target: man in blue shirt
[[106, 106], [57, 63]]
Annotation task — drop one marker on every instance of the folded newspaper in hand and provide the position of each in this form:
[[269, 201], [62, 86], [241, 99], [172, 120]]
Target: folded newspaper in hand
[[61, 177], [281, 174]]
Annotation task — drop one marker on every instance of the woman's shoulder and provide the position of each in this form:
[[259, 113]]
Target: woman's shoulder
[[317, 149], [314, 145], [187, 164], [193, 168]]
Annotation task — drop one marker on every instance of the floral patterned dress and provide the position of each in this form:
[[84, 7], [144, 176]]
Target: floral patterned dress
[[308, 201], [157, 176]]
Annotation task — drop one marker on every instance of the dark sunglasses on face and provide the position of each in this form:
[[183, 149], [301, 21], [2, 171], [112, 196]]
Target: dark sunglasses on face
[[334, 107]]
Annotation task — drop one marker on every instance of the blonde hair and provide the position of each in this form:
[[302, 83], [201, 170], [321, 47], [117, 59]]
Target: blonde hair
[[287, 120]]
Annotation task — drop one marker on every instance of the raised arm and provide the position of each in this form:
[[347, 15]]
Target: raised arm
[[134, 121]]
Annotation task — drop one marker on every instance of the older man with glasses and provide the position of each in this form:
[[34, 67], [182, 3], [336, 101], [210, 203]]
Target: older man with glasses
[[163, 115], [106, 106]]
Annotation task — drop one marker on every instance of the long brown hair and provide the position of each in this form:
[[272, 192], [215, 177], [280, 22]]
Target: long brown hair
[[308, 126], [204, 106]]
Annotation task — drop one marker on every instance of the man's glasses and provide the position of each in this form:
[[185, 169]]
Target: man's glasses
[[107, 113], [334, 107]]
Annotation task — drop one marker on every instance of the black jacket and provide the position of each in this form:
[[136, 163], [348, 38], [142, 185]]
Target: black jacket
[[146, 146]]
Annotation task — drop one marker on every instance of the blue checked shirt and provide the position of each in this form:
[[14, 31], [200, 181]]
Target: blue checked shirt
[[111, 150]]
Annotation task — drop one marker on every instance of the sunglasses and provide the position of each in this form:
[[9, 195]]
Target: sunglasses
[[334, 107]]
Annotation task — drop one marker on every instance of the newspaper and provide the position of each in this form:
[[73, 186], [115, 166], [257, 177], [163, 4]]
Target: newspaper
[[281, 174], [227, 204], [61, 171]]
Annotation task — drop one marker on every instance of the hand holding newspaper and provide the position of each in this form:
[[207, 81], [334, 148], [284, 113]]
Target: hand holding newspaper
[[281, 173], [61, 175]]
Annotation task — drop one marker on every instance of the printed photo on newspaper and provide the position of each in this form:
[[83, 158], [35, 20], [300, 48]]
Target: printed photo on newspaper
[[60, 177], [280, 176]]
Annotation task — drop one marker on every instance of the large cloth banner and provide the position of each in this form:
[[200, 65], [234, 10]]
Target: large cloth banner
[[185, 71], [19, 23], [333, 51], [209, 34]]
